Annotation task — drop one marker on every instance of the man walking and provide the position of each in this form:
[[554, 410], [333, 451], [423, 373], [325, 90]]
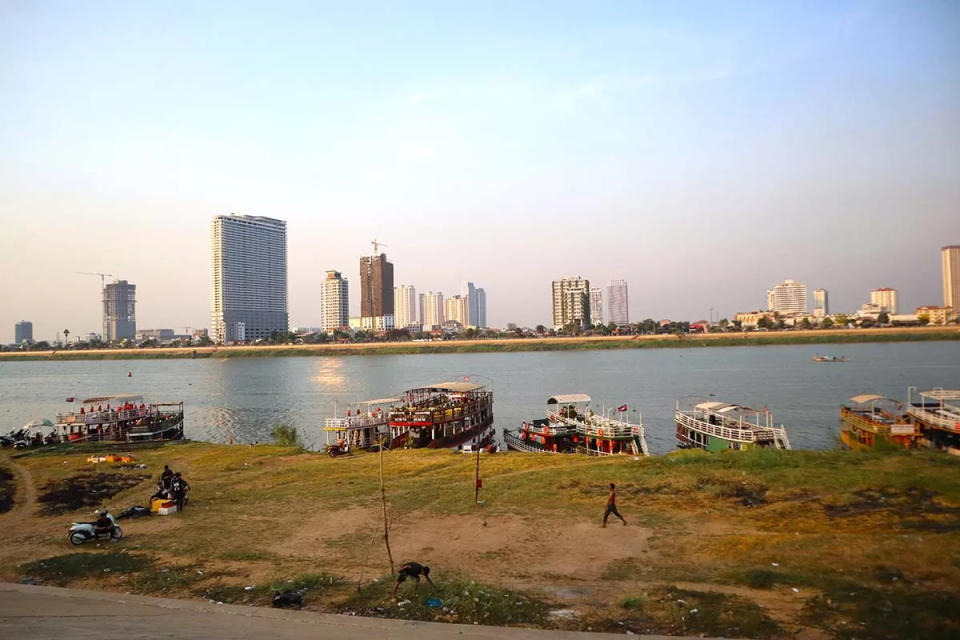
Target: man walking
[[612, 506]]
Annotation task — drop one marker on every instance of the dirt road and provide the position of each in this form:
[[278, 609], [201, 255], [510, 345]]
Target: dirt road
[[47, 613]]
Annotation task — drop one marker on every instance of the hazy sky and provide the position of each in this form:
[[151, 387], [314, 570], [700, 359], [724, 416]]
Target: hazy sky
[[702, 152]]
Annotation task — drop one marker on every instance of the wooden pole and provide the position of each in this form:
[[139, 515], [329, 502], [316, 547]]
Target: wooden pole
[[383, 501]]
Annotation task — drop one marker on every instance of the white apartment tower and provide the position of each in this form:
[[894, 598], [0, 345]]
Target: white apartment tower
[[249, 298], [571, 302], [821, 303], [950, 256], [433, 310], [618, 307], [457, 308], [885, 298], [596, 305], [787, 297], [335, 302], [404, 305]]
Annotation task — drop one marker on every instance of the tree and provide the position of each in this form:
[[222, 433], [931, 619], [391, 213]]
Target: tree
[[827, 323], [841, 320], [541, 329], [204, 341], [883, 318], [601, 329], [66, 337], [805, 323], [923, 318], [765, 322]]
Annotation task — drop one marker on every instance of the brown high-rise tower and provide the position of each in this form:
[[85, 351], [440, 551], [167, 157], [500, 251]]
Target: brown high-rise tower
[[376, 287]]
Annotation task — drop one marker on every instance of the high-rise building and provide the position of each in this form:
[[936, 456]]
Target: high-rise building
[[821, 303], [119, 311], [481, 307], [571, 302], [618, 306], [469, 292], [23, 332], [596, 305], [787, 297], [885, 298], [249, 300], [457, 308], [376, 293], [433, 310], [404, 305], [950, 255], [421, 302], [335, 302]]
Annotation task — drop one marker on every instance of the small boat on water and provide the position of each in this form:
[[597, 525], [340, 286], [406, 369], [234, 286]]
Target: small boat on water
[[716, 426], [872, 419], [572, 427], [445, 414], [936, 413], [830, 358], [361, 429], [120, 418]]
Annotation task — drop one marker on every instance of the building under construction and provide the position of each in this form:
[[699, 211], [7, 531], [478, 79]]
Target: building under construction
[[119, 311]]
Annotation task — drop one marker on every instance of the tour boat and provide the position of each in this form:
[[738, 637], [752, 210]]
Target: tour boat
[[871, 419], [361, 428], [572, 427], [937, 415], [445, 414], [120, 418], [716, 426], [831, 358]]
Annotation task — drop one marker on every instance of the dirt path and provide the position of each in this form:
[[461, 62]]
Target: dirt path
[[26, 495]]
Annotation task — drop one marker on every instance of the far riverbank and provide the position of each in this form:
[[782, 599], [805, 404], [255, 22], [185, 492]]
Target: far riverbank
[[754, 338]]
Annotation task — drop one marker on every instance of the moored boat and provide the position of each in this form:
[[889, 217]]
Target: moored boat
[[445, 414], [870, 420], [362, 428], [121, 418], [936, 413], [716, 426], [572, 427]]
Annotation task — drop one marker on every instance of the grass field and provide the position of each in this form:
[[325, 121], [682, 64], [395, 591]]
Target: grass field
[[748, 544], [826, 336]]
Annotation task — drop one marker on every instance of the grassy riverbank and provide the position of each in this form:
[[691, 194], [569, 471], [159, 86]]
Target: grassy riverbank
[[811, 337], [750, 544]]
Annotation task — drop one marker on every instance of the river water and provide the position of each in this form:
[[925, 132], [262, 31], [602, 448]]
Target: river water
[[245, 397]]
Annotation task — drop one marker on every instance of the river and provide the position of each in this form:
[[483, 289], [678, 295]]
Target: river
[[245, 397]]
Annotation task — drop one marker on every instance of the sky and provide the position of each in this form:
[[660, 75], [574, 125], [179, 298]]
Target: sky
[[701, 151]]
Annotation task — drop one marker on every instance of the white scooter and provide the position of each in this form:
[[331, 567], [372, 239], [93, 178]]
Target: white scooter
[[80, 532]]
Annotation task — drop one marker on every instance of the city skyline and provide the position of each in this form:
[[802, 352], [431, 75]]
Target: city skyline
[[813, 141]]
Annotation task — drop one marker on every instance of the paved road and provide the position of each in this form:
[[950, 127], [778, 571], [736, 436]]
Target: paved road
[[48, 613]]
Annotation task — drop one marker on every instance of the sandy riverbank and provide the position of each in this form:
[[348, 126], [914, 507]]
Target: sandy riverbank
[[825, 336]]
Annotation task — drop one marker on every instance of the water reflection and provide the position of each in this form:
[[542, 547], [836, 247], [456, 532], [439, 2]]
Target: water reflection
[[328, 373]]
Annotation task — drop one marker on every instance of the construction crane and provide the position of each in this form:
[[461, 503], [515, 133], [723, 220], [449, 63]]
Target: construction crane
[[376, 246], [102, 276]]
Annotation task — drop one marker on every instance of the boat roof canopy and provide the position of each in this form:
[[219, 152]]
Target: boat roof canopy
[[567, 398], [117, 398], [718, 407], [941, 394], [381, 401], [865, 398], [457, 386]]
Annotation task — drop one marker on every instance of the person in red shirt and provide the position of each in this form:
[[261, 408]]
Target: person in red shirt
[[612, 506]]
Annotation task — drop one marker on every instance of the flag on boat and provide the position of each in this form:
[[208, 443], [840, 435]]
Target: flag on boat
[[622, 407]]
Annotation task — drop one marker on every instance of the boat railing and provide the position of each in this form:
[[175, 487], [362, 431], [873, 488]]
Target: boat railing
[[603, 427], [593, 452], [940, 421], [753, 434], [355, 422], [876, 424]]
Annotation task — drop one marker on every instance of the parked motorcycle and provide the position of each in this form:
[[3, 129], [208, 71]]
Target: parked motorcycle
[[334, 450], [80, 532]]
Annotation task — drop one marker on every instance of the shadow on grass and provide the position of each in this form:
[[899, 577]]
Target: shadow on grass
[[62, 570]]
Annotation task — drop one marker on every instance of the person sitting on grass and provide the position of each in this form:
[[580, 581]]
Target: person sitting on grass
[[412, 570]]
